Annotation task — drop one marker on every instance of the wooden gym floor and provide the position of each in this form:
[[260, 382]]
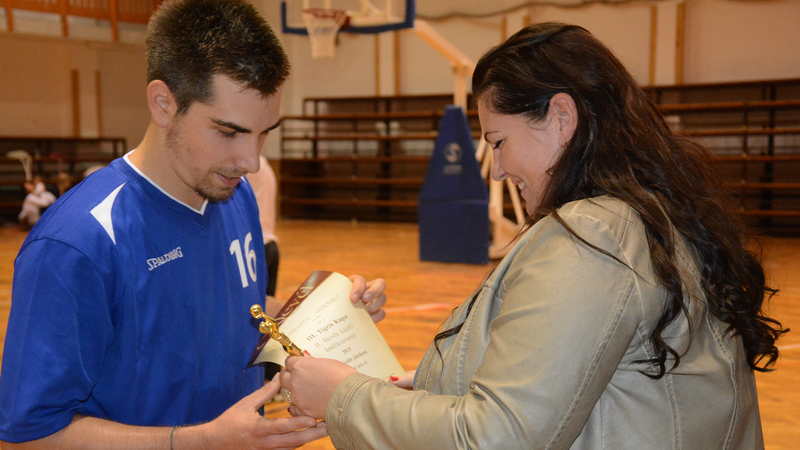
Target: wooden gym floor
[[421, 295]]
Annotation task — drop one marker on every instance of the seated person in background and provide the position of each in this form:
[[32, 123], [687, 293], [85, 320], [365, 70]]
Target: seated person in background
[[64, 183], [37, 199], [628, 315], [265, 189], [130, 321], [92, 169]]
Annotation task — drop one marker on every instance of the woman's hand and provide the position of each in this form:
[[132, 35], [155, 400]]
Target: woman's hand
[[311, 382], [371, 294], [405, 381]]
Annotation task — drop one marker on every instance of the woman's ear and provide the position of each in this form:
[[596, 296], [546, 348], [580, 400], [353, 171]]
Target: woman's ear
[[161, 103], [565, 113]]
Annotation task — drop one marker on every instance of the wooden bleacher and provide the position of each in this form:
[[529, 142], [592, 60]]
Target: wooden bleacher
[[366, 157], [359, 157], [753, 129]]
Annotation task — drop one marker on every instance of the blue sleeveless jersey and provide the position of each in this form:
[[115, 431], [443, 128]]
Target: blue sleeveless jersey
[[131, 306]]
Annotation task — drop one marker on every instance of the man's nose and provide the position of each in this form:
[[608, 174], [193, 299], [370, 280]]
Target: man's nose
[[249, 156]]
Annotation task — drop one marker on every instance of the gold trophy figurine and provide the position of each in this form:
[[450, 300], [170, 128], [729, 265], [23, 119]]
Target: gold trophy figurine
[[270, 327]]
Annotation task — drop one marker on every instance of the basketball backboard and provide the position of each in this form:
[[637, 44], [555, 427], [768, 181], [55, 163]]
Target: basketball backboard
[[363, 16]]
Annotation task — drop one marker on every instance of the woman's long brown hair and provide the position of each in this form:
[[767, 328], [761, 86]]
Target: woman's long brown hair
[[623, 148]]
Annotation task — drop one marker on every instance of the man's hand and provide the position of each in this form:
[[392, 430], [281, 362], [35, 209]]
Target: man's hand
[[371, 294], [242, 427]]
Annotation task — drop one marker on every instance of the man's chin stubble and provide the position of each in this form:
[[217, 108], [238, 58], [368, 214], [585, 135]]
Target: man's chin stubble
[[218, 196]]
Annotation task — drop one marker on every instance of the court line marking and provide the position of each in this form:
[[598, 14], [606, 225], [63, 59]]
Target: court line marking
[[425, 307], [789, 347]]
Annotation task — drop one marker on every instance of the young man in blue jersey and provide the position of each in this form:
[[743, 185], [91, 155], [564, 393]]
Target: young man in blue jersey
[[130, 324]]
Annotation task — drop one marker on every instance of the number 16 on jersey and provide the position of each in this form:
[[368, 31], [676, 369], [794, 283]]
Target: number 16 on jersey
[[241, 254]]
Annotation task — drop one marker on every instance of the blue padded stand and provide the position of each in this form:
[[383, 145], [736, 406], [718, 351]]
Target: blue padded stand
[[453, 210]]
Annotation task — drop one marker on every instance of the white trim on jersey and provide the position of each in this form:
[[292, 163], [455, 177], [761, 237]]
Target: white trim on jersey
[[102, 212], [202, 209]]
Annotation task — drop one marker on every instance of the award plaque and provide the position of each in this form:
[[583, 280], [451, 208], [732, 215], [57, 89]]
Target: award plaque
[[321, 316]]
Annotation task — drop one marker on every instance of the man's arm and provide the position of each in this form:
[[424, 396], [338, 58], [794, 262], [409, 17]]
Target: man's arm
[[241, 426]]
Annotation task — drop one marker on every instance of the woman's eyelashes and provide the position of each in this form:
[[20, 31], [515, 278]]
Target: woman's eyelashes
[[497, 144]]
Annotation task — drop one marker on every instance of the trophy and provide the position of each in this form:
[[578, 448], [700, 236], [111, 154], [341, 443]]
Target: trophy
[[270, 327]]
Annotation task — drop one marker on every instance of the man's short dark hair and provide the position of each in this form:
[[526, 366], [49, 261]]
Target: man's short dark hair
[[190, 41]]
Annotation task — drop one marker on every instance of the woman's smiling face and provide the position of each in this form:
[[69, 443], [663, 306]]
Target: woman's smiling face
[[523, 151]]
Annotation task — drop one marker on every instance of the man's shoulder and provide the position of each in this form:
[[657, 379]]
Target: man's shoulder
[[243, 201], [76, 216], [246, 188]]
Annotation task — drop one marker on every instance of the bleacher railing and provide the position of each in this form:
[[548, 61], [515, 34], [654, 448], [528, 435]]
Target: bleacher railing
[[115, 11]]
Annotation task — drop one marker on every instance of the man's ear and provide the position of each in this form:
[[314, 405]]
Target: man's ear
[[161, 103], [565, 113]]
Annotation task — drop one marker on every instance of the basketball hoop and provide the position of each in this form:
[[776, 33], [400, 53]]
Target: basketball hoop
[[25, 158], [323, 24]]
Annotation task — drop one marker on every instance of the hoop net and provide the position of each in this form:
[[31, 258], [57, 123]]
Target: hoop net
[[323, 24]]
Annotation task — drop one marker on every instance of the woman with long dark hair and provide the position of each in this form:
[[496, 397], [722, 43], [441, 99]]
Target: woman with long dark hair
[[627, 315]]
